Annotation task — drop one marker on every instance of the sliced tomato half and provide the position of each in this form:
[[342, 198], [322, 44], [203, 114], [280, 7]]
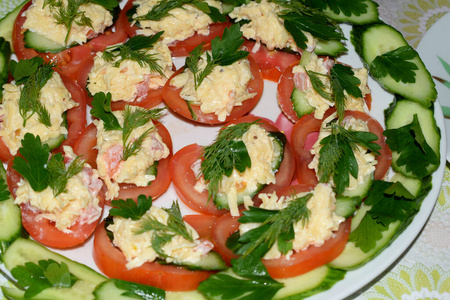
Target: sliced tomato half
[[298, 263], [184, 177], [85, 146], [171, 96], [305, 133], [111, 261]]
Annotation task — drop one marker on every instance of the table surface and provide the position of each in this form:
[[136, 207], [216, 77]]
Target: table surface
[[424, 271]]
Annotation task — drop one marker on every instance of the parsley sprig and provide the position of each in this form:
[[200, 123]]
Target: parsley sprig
[[337, 158], [130, 209], [135, 49], [40, 171], [69, 14], [133, 118], [346, 7], [224, 52], [226, 153], [162, 9], [396, 63], [139, 291], [45, 274], [33, 74]]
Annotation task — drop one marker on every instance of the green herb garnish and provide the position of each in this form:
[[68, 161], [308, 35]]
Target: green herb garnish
[[139, 291], [396, 63], [224, 52], [337, 159], [135, 49], [33, 74], [129, 209], [226, 153], [133, 118], [38, 277], [4, 190], [346, 7], [415, 153], [34, 165]]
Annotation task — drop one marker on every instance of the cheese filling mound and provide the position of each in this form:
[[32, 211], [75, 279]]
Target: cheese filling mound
[[137, 247], [181, 23], [266, 27], [129, 81], [40, 19], [262, 153], [223, 89], [113, 169], [366, 160], [321, 104], [79, 203], [54, 96], [322, 223]]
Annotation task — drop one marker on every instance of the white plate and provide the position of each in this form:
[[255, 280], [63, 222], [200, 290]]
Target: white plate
[[184, 133]]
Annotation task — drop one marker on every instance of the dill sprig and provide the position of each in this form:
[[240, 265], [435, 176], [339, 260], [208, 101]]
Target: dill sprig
[[135, 49], [226, 153]]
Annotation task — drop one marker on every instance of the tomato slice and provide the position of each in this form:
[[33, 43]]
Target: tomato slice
[[69, 61], [112, 263], [299, 262], [184, 178], [178, 48], [272, 63], [88, 140], [284, 91], [76, 120], [308, 127], [171, 96], [202, 224], [44, 230]]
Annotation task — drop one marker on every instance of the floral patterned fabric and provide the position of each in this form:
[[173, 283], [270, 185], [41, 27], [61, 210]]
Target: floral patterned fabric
[[424, 272]]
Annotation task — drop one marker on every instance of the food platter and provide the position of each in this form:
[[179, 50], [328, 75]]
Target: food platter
[[184, 132]]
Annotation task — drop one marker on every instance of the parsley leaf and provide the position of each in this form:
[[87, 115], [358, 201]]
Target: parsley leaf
[[101, 108], [32, 165], [337, 158], [135, 49], [4, 190], [224, 52], [343, 79], [225, 154], [139, 291], [129, 209], [397, 64], [59, 175], [33, 74], [346, 7], [409, 141], [38, 277]]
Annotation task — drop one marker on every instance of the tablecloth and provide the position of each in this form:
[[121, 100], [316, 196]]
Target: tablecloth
[[424, 271]]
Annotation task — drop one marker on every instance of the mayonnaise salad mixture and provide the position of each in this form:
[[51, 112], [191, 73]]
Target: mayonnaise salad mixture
[[56, 99], [137, 248], [321, 104], [321, 224], [223, 89], [40, 19], [113, 169], [266, 27], [129, 81], [79, 203], [262, 153], [180, 24]]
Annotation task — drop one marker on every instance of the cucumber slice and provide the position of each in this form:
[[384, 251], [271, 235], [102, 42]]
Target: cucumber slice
[[413, 185], [5, 57], [7, 24], [400, 113], [211, 262], [371, 14], [376, 39], [330, 48], [121, 290], [347, 202], [25, 250], [300, 103], [10, 216], [279, 142], [41, 44]]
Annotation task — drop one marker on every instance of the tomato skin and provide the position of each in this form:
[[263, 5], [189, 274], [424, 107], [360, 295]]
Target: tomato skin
[[284, 91], [171, 96], [44, 230], [308, 125], [112, 263], [298, 263], [202, 224], [272, 63], [69, 61], [178, 48], [184, 178], [88, 140]]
